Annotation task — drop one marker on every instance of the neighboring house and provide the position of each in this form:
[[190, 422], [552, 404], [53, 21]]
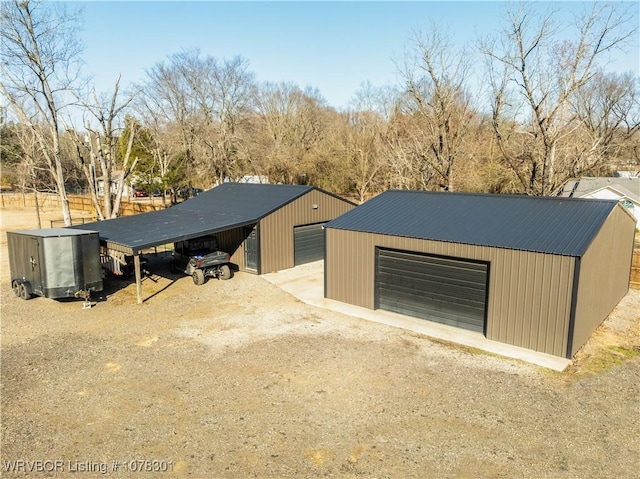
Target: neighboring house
[[256, 179], [627, 174], [126, 190], [625, 189], [536, 272], [252, 179]]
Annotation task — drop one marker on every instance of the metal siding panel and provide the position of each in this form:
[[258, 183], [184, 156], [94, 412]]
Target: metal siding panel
[[348, 267], [497, 285], [552, 299], [608, 256], [545, 305], [512, 295], [533, 302], [277, 238], [331, 277], [524, 309], [522, 291], [238, 258], [565, 280], [232, 242]]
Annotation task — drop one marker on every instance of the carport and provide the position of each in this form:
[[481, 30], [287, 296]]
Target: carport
[[258, 224]]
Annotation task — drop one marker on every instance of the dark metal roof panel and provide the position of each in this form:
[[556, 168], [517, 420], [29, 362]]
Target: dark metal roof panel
[[247, 200], [224, 207], [563, 226]]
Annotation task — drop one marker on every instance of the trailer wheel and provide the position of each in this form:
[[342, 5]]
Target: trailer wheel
[[225, 272], [16, 288], [24, 291], [198, 277]]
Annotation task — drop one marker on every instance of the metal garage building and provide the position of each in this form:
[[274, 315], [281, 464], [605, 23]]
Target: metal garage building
[[265, 228], [535, 272]]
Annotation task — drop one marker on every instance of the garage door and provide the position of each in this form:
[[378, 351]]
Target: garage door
[[308, 243], [446, 290]]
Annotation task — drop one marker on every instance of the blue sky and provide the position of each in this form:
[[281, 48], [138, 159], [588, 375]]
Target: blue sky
[[332, 46]]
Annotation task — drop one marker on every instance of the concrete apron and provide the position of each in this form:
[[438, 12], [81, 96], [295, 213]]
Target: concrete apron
[[306, 282]]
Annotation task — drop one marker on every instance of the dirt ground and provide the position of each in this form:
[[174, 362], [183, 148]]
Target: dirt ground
[[237, 379]]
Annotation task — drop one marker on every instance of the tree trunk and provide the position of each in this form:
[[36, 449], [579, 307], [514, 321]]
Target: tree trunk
[[450, 175], [59, 179], [551, 171], [35, 201], [64, 201]]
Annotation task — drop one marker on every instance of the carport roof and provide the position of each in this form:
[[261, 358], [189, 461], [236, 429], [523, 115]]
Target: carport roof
[[563, 226], [224, 207]]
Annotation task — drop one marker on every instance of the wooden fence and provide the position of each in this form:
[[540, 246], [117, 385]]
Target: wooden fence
[[635, 269], [76, 202]]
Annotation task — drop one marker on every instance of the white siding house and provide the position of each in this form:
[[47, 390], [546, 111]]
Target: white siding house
[[626, 190]]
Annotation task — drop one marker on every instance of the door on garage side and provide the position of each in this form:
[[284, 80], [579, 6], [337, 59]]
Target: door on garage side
[[308, 243], [446, 290], [251, 248]]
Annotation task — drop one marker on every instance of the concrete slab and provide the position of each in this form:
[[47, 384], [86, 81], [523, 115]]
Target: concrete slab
[[306, 282]]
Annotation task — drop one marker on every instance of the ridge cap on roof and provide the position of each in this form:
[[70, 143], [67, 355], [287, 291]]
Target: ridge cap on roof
[[495, 195], [262, 185]]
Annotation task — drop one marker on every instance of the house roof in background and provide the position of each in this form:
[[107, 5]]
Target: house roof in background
[[224, 207], [563, 226], [629, 187]]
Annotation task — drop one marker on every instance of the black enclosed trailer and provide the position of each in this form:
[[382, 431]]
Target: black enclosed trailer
[[54, 263]]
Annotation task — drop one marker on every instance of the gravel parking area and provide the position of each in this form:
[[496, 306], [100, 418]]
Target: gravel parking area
[[238, 379]]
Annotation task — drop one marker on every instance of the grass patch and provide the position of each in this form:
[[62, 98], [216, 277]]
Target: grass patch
[[603, 360]]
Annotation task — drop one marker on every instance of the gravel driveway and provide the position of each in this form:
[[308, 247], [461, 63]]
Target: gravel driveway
[[238, 379]]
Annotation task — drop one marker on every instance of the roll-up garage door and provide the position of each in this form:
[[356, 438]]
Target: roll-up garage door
[[446, 290], [308, 243]]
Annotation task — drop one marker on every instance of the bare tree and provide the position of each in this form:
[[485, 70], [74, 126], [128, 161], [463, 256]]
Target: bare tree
[[224, 91], [160, 139], [366, 137], [40, 69], [167, 104], [608, 112], [97, 151], [294, 125], [209, 101], [31, 169], [434, 74], [363, 145], [536, 70]]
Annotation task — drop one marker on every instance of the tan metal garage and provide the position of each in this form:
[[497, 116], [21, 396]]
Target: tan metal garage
[[539, 273]]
